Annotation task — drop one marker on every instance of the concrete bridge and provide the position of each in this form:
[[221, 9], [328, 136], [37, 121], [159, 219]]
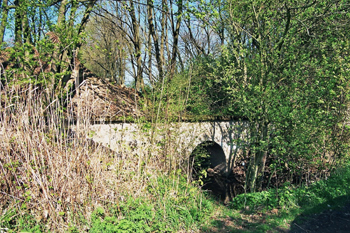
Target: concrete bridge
[[223, 140]]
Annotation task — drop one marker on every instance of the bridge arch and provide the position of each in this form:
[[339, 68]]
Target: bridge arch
[[208, 155], [208, 166]]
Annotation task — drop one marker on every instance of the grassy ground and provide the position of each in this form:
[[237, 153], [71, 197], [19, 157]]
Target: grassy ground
[[284, 209], [173, 205]]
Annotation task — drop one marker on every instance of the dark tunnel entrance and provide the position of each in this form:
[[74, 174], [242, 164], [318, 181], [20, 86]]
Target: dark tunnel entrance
[[209, 170], [208, 166]]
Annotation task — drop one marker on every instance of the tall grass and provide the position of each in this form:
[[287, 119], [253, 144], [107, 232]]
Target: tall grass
[[59, 178]]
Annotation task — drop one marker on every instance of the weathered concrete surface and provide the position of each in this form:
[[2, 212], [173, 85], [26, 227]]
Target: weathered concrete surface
[[184, 137], [100, 101]]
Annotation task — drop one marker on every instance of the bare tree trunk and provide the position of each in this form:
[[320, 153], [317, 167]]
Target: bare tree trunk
[[60, 22], [176, 33], [137, 46], [18, 23], [86, 16], [154, 35], [26, 30], [62, 13], [164, 32], [150, 77], [73, 10], [5, 11], [258, 158], [199, 48], [82, 26]]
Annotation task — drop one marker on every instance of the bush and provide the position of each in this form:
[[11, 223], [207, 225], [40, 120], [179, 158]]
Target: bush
[[305, 196]]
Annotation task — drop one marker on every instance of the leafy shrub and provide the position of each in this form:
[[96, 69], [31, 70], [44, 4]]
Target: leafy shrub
[[288, 197]]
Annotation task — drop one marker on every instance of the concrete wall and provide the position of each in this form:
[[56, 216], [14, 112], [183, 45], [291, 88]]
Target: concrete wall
[[132, 138]]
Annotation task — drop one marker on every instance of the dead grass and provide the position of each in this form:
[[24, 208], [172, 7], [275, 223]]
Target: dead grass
[[56, 174]]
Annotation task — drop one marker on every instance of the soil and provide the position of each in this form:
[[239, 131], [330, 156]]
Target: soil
[[329, 221], [334, 219]]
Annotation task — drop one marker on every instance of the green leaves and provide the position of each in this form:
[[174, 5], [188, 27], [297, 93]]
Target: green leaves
[[173, 205], [284, 70]]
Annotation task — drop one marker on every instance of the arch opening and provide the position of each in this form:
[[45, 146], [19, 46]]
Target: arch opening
[[208, 168]]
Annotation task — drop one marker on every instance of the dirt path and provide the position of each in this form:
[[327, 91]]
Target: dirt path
[[329, 221]]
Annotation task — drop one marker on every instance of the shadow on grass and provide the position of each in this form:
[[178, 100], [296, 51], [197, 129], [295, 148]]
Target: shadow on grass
[[249, 221], [241, 225], [332, 216]]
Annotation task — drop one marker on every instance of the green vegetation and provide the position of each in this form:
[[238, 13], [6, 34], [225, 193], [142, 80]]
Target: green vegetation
[[290, 83], [289, 197], [172, 204], [283, 67], [275, 208]]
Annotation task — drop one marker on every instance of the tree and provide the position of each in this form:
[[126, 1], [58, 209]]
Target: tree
[[4, 14], [38, 35], [105, 51], [284, 68]]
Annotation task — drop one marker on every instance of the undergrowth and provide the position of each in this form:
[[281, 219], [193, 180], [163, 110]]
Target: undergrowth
[[173, 205], [288, 196], [278, 210], [54, 179]]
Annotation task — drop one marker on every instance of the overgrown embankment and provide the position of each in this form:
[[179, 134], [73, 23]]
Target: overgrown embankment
[[53, 179], [56, 180]]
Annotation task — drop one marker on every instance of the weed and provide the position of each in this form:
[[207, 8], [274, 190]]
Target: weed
[[289, 197], [176, 205]]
